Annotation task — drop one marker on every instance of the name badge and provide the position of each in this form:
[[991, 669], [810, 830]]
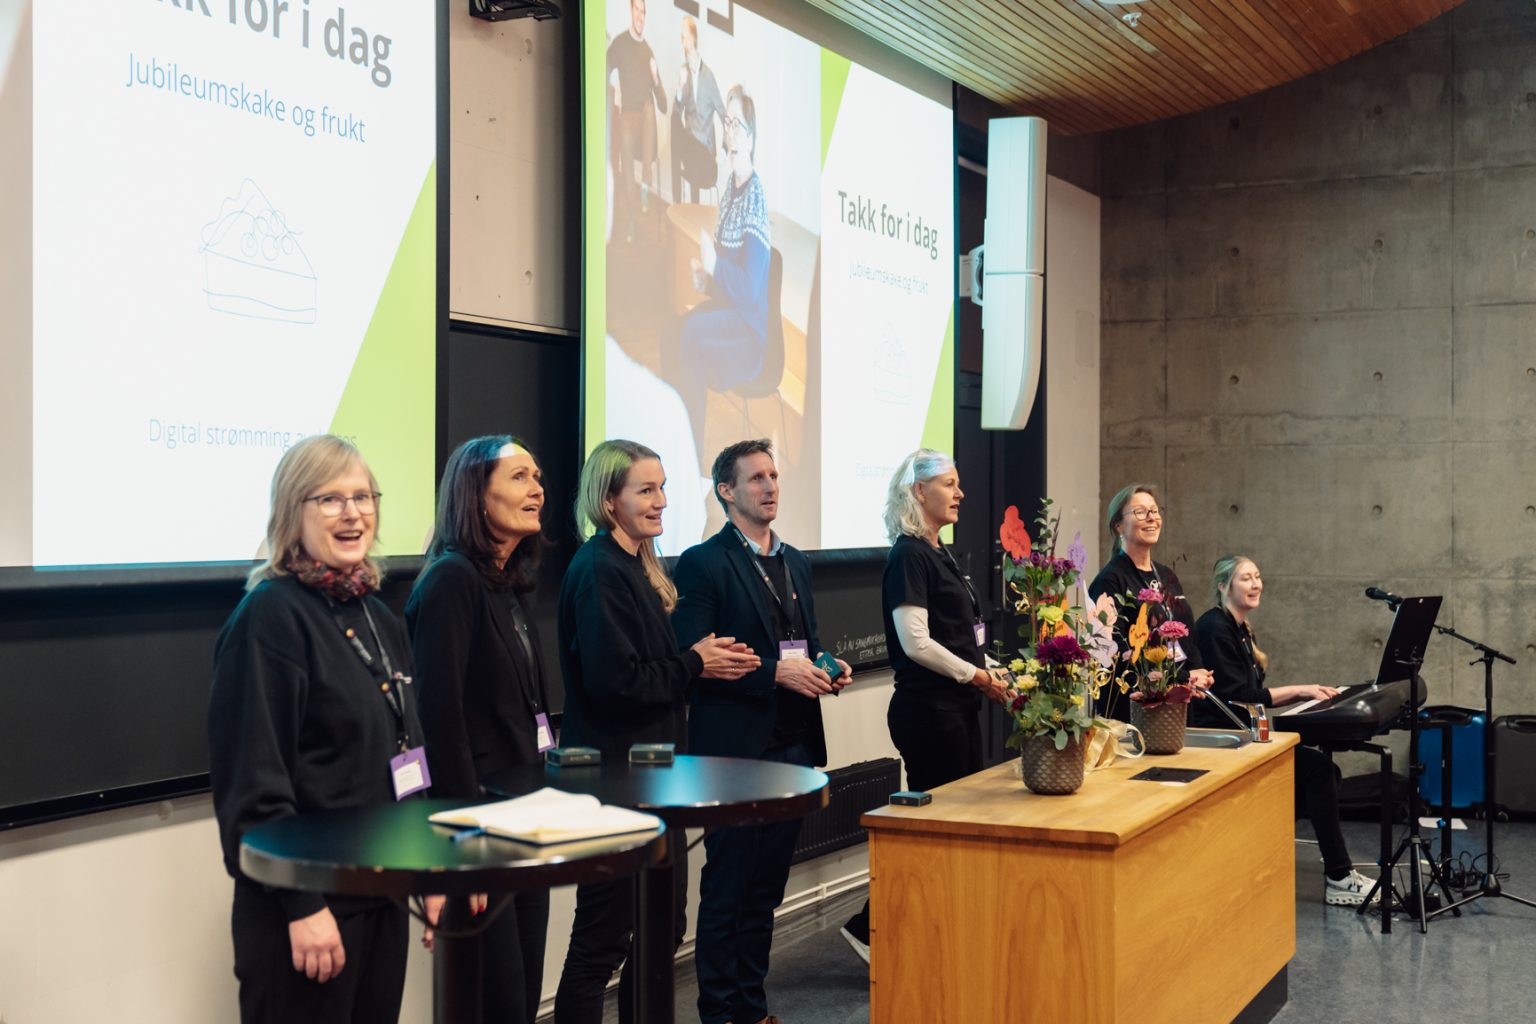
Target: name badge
[[789, 650], [409, 772], [980, 629], [1176, 652], [544, 734]]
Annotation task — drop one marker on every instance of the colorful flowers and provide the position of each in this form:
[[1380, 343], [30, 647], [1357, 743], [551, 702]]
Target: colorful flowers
[[1138, 633], [1151, 670], [1014, 534], [1061, 650], [1066, 652]]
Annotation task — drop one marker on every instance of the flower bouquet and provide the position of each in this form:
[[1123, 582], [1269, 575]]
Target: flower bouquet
[[1067, 656], [1154, 673]]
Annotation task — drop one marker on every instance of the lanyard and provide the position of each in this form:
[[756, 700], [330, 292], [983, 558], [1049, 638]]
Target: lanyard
[[975, 604], [530, 662], [789, 613], [393, 685]]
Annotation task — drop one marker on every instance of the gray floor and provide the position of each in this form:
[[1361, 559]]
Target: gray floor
[[1480, 967]]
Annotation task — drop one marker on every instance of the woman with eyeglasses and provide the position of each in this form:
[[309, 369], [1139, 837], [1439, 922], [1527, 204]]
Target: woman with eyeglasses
[[484, 702], [312, 710], [722, 340], [1229, 647], [1135, 521]]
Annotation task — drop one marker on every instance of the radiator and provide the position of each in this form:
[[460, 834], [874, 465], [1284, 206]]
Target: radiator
[[851, 791]]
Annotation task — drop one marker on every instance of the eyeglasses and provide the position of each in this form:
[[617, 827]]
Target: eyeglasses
[[332, 505], [1142, 514], [733, 123]]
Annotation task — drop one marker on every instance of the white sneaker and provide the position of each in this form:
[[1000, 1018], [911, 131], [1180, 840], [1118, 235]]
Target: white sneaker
[[859, 946], [1348, 891]]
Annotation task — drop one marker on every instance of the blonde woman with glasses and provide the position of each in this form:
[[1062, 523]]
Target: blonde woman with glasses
[[311, 704]]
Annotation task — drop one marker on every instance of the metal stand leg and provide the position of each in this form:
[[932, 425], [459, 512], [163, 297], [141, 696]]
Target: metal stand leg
[[456, 983], [655, 925]]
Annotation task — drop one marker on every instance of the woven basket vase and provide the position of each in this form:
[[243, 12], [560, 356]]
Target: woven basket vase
[[1163, 726], [1049, 771]]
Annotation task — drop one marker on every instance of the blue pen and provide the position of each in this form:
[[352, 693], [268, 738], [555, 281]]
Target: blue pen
[[459, 837]]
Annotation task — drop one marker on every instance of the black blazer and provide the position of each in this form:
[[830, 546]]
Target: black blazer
[[478, 698], [626, 682], [720, 592]]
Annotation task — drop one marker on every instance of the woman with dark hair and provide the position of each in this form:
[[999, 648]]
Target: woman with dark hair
[[1229, 647], [484, 703], [625, 682], [1135, 522], [309, 708]]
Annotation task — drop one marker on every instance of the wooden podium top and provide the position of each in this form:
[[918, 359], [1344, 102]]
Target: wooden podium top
[[1110, 810]]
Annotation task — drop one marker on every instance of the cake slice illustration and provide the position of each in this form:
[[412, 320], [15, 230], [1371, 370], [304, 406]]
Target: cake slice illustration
[[253, 264], [892, 374]]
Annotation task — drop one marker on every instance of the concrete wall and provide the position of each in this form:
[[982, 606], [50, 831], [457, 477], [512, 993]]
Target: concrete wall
[[1319, 335]]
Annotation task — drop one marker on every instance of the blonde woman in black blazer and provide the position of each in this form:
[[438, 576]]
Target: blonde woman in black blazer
[[480, 674]]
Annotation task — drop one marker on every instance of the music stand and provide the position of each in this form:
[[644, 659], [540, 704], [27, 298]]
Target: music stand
[[1401, 657]]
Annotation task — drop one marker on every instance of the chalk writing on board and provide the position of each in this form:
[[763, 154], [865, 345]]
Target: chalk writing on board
[[870, 647]]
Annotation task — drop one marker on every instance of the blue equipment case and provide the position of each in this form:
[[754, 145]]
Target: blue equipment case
[[1467, 738]]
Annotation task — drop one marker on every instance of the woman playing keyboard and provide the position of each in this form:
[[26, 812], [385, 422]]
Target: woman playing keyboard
[[1228, 649]]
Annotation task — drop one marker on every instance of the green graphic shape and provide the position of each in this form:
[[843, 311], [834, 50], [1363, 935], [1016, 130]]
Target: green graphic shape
[[389, 404], [834, 79]]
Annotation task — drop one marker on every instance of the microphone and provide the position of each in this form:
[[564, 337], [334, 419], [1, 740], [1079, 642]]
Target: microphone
[[1377, 594]]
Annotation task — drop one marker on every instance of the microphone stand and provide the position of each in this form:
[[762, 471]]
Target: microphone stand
[[1490, 885]]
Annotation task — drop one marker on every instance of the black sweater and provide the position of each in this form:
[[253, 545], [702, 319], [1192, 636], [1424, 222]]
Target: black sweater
[[625, 681], [297, 722], [479, 690], [1120, 578], [1226, 648]]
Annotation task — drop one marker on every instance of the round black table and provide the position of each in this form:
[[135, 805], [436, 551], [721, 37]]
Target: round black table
[[692, 792], [392, 850]]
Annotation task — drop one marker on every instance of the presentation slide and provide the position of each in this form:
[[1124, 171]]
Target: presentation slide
[[226, 241], [769, 252]]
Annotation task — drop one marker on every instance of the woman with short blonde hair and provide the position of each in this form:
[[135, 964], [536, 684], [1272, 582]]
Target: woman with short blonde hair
[[935, 636]]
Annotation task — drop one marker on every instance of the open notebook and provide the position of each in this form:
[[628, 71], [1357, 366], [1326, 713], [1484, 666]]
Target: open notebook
[[548, 816]]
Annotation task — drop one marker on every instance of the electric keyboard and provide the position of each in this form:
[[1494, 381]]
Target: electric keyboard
[[1357, 713]]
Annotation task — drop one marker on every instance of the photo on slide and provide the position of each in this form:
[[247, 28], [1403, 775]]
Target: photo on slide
[[776, 261]]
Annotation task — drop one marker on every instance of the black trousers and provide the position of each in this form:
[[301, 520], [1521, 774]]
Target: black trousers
[[367, 991], [512, 959], [741, 886], [601, 939], [1317, 797], [938, 744]]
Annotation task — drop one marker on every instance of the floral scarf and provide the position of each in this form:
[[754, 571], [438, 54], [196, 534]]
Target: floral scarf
[[340, 584]]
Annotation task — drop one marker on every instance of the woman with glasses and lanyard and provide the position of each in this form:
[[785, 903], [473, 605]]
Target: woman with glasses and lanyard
[[936, 638], [1135, 522], [484, 701], [311, 710]]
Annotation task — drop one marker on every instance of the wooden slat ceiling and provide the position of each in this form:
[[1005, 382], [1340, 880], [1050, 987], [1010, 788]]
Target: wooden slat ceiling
[[1079, 65]]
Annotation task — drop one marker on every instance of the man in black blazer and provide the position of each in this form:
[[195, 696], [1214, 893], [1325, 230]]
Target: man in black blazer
[[747, 583]]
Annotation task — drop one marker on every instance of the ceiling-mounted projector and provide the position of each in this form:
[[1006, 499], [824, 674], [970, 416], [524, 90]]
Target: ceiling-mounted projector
[[505, 10]]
